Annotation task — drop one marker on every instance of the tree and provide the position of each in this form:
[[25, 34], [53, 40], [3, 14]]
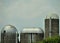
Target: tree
[[54, 39]]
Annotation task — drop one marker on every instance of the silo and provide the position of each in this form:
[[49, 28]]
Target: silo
[[9, 34], [51, 25], [31, 35]]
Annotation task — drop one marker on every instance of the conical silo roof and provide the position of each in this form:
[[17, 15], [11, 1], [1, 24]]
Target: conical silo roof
[[32, 30], [9, 28], [52, 16]]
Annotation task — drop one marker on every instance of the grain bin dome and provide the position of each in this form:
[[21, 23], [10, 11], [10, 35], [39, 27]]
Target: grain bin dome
[[52, 16], [9, 29], [32, 30]]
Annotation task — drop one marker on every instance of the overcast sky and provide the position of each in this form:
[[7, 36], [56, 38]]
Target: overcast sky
[[27, 13]]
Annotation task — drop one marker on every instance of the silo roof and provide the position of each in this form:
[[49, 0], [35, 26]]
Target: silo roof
[[52, 16], [32, 30], [9, 28]]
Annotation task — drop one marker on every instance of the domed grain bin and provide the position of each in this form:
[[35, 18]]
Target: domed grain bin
[[9, 34], [31, 35]]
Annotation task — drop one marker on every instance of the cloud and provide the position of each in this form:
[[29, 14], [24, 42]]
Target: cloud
[[25, 9], [1, 6]]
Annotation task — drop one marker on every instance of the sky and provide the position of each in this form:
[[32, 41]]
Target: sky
[[26, 13]]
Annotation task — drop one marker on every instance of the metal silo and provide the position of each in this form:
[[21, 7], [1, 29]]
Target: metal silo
[[31, 35], [9, 34], [51, 25]]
